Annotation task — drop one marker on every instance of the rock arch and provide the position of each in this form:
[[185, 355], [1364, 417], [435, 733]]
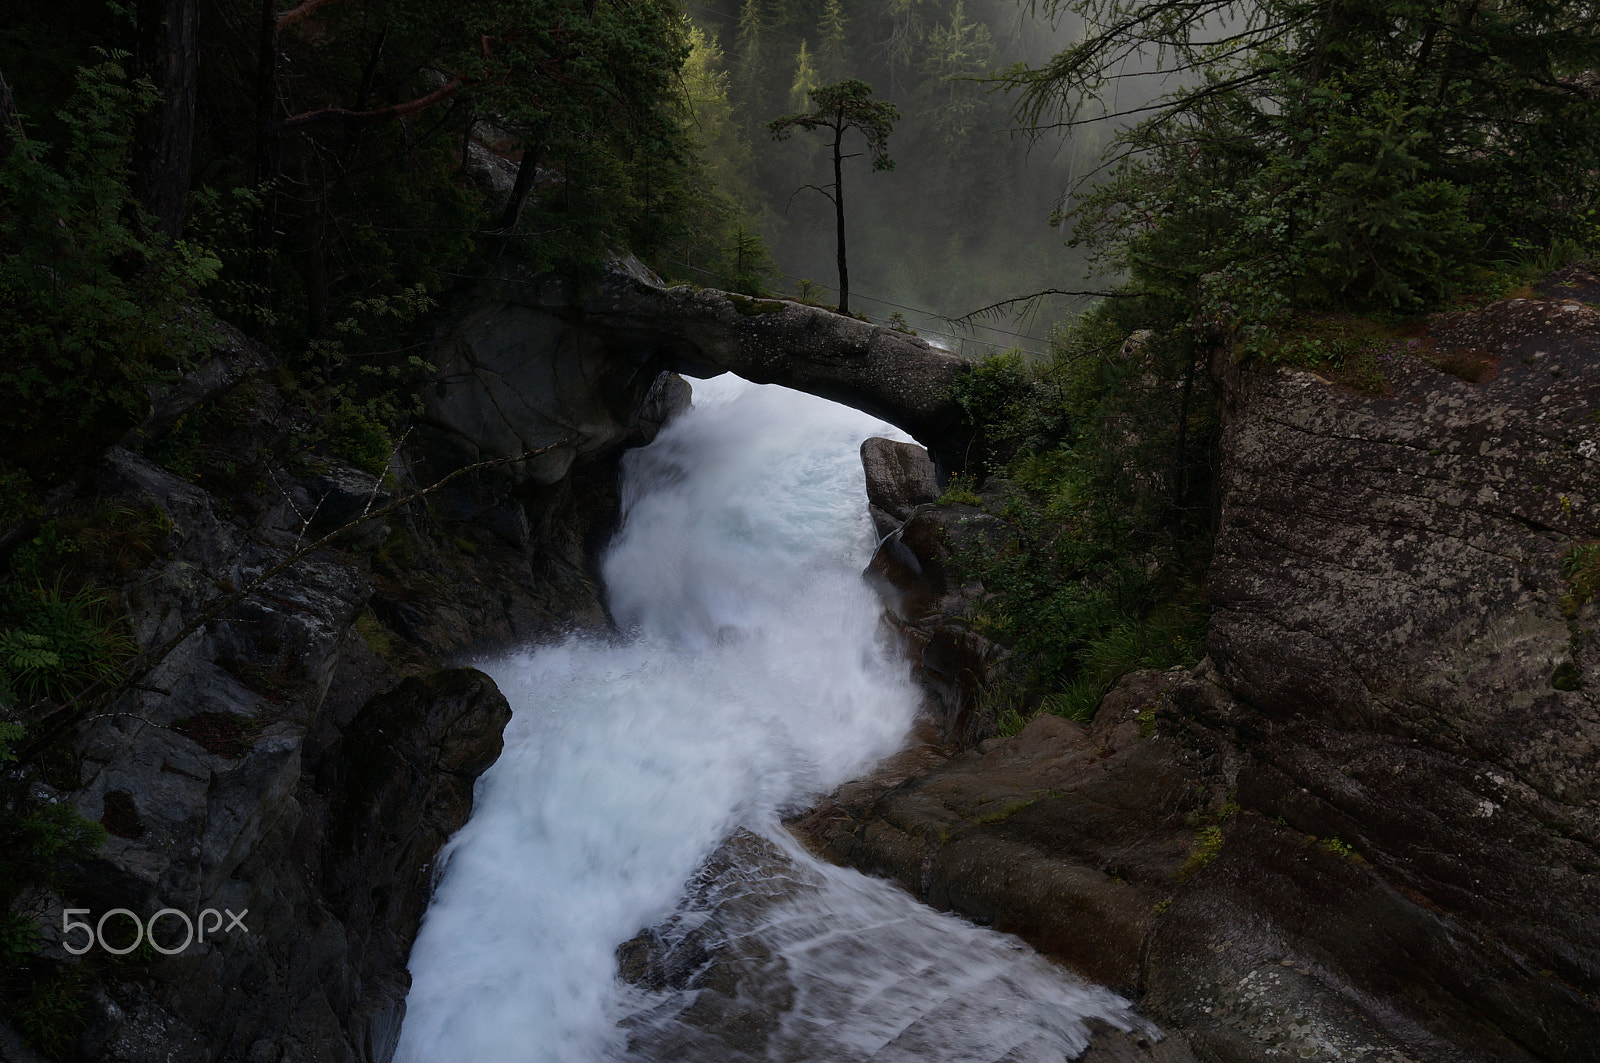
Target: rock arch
[[526, 361]]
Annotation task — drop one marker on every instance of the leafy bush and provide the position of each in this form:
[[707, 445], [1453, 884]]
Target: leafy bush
[[1102, 576], [92, 298]]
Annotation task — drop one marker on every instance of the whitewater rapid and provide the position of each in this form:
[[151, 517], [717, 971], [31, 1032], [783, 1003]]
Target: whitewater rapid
[[751, 676]]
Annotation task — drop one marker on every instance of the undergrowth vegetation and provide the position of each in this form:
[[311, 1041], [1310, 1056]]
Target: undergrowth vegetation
[[1100, 460]]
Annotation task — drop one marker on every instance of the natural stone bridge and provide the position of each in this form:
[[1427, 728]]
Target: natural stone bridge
[[527, 362]]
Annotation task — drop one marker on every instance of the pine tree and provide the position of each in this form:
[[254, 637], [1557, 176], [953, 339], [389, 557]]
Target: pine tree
[[750, 60], [841, 108], [958, 51], [805, 77], [832, 41]]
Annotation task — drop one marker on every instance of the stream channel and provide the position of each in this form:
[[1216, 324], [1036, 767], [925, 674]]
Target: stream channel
[[645, 776]]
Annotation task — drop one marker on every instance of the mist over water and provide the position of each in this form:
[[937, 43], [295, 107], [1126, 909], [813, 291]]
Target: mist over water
[[751, 676]]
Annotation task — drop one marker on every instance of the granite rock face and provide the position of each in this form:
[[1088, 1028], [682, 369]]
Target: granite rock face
[[916, 571], [900, 477], [1367, 827]]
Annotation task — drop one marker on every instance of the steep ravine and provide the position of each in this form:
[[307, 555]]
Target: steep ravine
[[1409, 874]]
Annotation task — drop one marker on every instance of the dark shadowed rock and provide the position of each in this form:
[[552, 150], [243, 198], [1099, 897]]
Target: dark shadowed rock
[[260, 768], [916, 572], [398, 785], [670, 396], [900, 477]]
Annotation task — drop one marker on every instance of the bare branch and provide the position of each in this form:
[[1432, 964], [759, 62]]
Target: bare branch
[[994, 308], [814, 188], [399, 110], [304, 11]]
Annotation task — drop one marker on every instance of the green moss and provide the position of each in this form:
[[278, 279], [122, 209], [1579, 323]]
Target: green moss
[[1567, 676], [1006, 811], [1581, 568], [1334, 847], [1147, 722], [755, 307], [374, 634], [1207, 845]]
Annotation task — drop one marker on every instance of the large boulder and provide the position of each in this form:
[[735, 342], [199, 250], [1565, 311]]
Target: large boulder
[[900, 477]]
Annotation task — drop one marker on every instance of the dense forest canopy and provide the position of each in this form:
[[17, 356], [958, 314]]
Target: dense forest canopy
[[1356, 153], [332, 168]]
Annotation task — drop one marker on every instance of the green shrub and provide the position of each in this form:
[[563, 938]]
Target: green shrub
[[37, 837], [1100, 467], [1581, 568], [53, 644], [92, 298]]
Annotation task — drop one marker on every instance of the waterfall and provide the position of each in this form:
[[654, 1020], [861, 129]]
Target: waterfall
[[750, 676]]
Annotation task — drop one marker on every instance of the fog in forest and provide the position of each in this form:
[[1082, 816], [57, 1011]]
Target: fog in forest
[[963, 219]]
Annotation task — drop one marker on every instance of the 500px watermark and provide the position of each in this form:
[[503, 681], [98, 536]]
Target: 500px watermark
[[95, 934]]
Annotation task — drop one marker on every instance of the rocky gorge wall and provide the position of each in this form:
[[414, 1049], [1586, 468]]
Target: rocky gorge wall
[[300, 759], [302, 756], [1367, 826]]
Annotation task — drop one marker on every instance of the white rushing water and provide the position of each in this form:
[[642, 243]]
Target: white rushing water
[[751, 676]]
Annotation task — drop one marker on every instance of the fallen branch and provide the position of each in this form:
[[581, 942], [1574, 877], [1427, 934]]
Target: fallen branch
[[100, 695], [305, 10]]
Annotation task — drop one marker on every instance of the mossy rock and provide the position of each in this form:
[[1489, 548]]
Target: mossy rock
[[755, 307]]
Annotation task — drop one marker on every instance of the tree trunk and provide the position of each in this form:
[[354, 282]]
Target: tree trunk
[[838, 214], [269, 154], [527, 170], [167, 52], [10, 125]]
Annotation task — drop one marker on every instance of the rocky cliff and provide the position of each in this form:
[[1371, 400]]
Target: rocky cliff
[[298, 761], [1367, 826]]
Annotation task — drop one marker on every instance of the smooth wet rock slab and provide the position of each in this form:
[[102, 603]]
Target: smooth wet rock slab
[[774, 957]]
